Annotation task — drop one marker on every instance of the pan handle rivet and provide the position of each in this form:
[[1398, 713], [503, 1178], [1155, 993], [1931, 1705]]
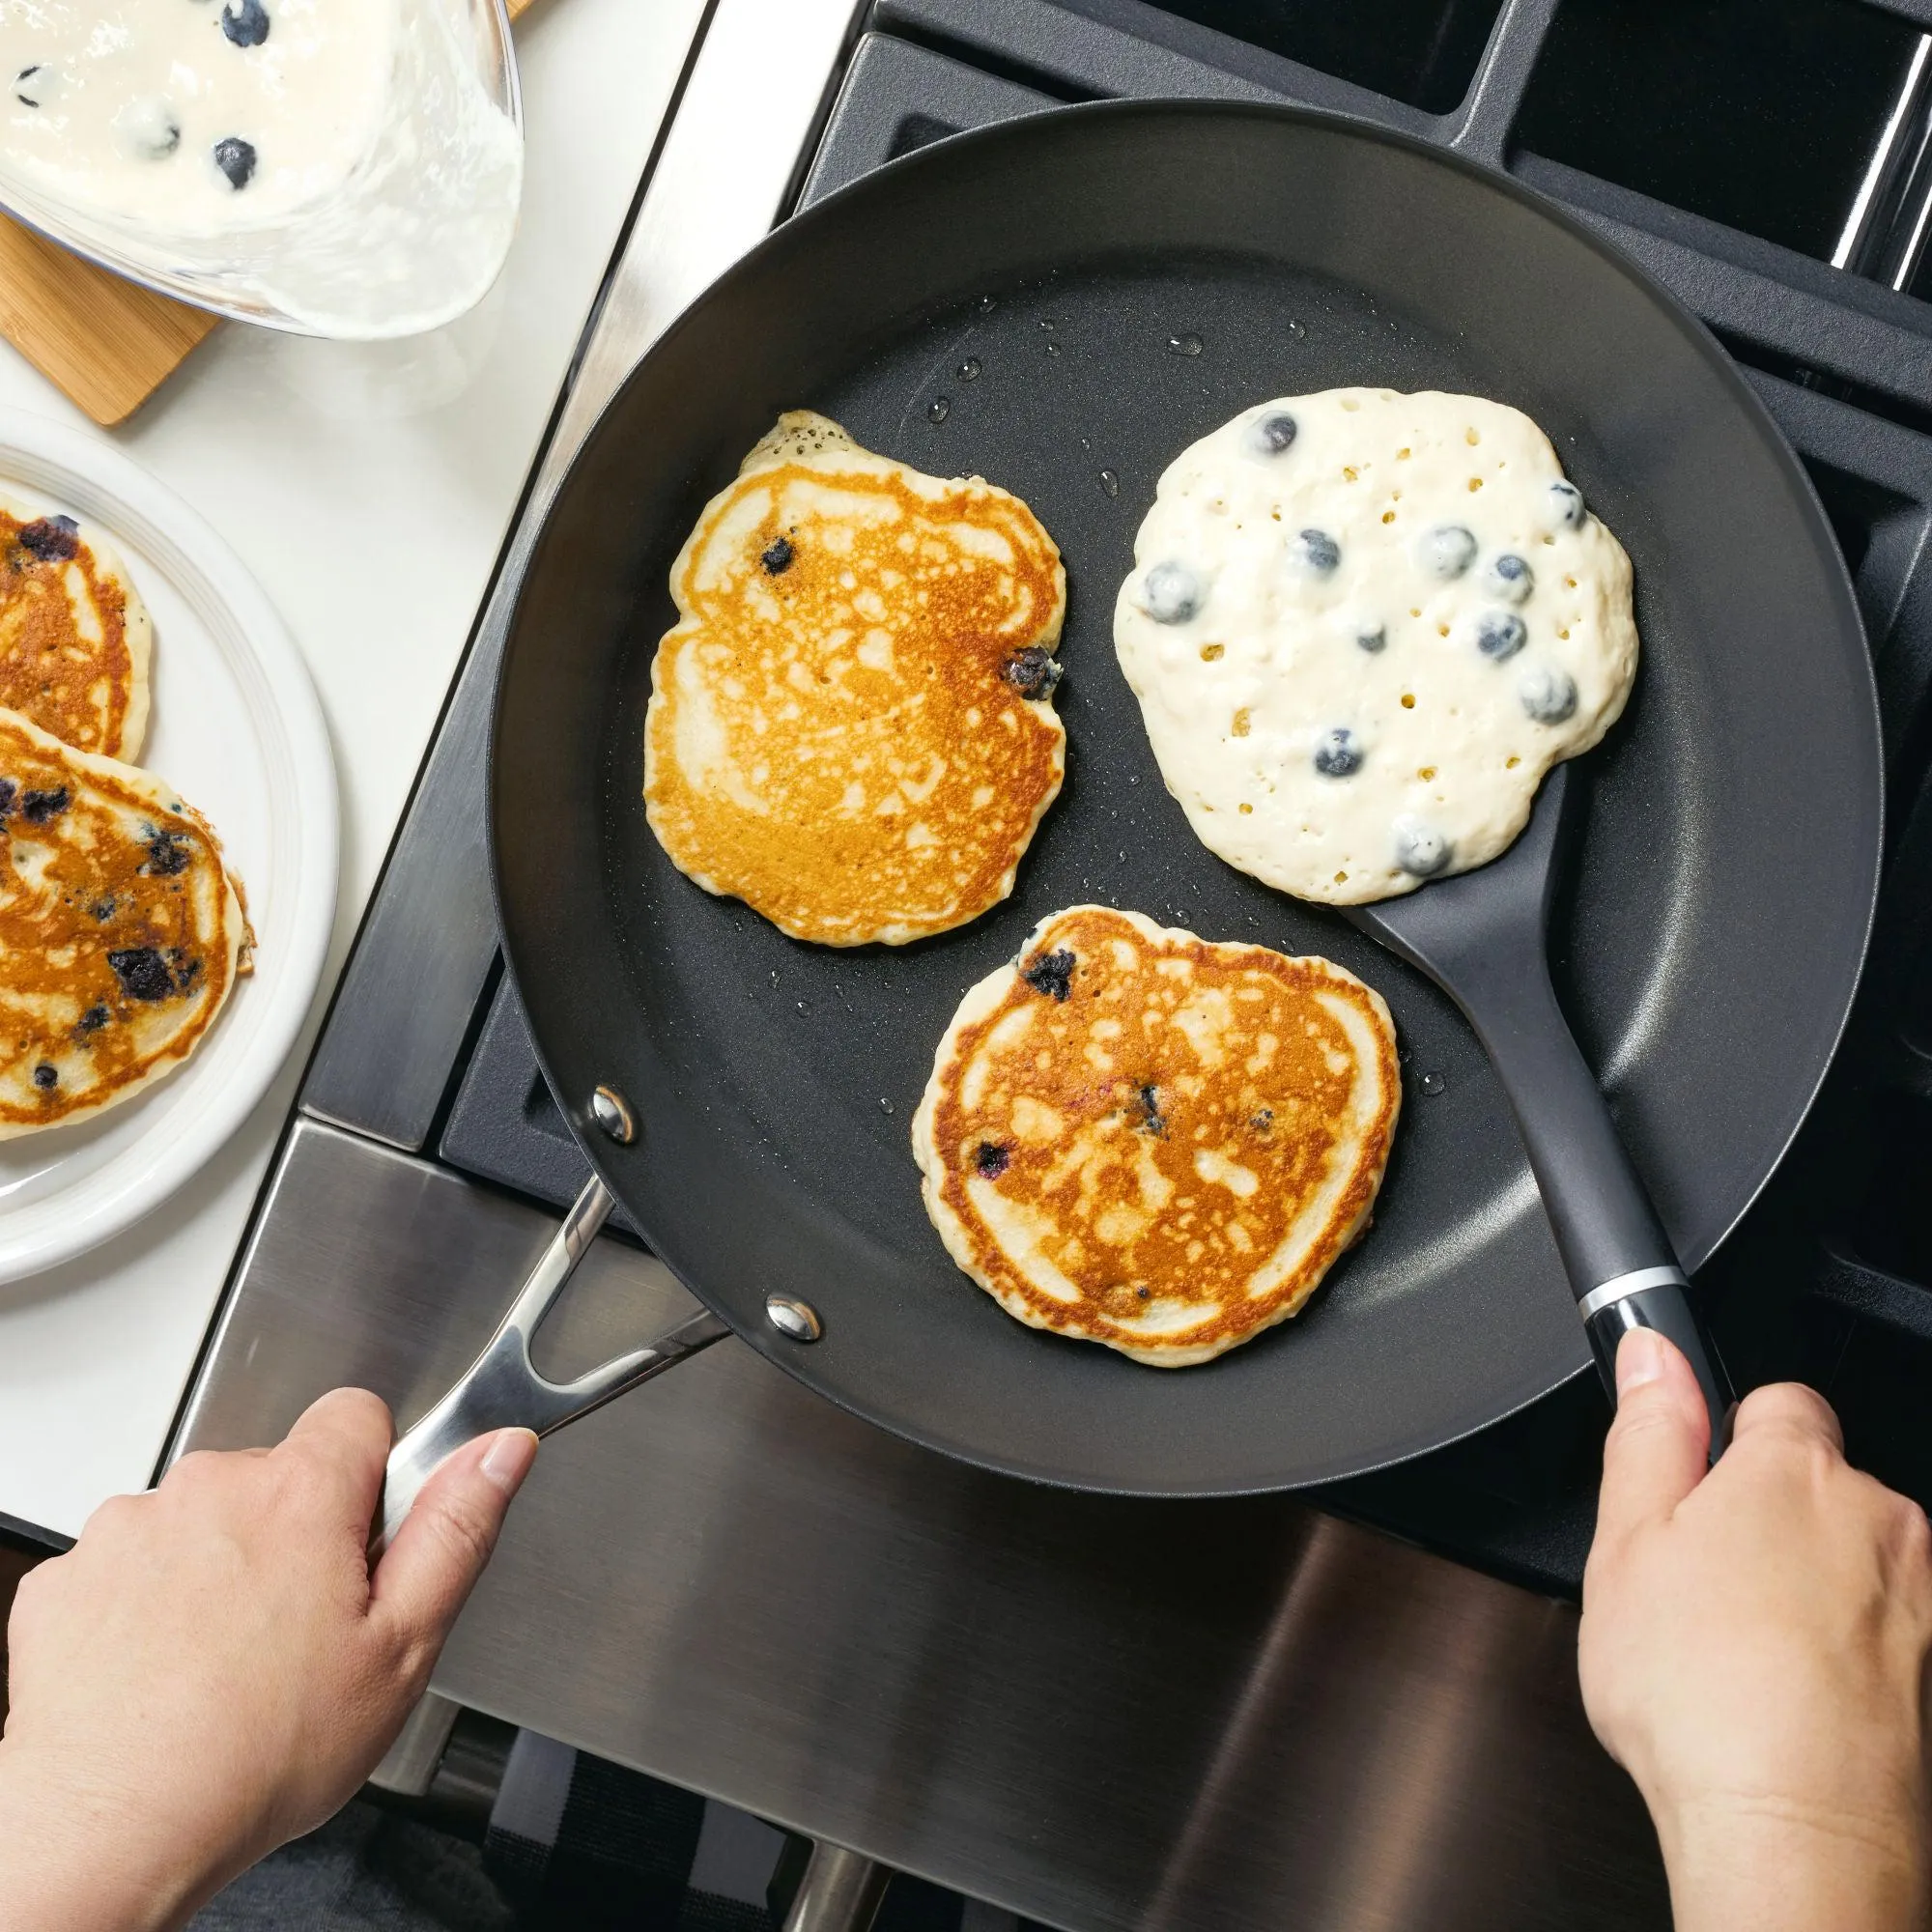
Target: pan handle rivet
[[795, 1320], [612, 1113]]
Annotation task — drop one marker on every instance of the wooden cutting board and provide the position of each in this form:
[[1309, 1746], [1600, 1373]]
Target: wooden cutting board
[[107, 342]]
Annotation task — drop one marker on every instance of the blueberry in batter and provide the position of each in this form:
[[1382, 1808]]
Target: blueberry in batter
[[1447, 552], [1338, 753], [1272, 433], [1171, 593], [1500, 633]]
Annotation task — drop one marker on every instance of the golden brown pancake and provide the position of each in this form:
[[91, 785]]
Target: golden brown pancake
[[851, 726], [74, 635], [121, 933], [1133, 1136]]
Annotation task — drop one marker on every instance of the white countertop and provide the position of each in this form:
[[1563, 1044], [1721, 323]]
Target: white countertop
[[369, 488]]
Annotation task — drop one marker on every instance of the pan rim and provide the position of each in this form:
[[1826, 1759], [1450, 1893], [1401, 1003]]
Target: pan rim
[[796, 233]]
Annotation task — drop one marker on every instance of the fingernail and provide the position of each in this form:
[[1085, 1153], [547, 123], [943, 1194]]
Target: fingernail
[[508, 1460], [1640, 1359]]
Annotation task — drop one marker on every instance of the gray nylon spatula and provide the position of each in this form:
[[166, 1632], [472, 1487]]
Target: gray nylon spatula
[[1482, 936]]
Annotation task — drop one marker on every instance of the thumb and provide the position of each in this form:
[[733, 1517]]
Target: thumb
[[1655, 1454], [428, 1571]]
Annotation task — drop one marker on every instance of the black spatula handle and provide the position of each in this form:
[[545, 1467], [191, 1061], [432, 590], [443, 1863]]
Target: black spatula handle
[[1480, 936], [1619, 1259], [1665, 1308]]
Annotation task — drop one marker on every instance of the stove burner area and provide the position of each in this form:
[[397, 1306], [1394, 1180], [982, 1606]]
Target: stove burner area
[[1422, 51], [1761, 114]]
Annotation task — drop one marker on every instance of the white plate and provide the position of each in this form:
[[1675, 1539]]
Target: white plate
[[236, 729]]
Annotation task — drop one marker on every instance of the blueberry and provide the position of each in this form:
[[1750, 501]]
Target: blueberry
[[1051, 973], [38, 807], [1152, 1121], [1338, 753], [1500, 633], [1271, 434], [168, 853], [1032, 672], [46, 1076], [143, 973], [90, 1021], [1171, 593], [246, 22], [776, 555], [50, 539], [149, 127], [1315, 551], [236, 158], [1549, 697], [991, 1159], [1373, 639], [1566, 506], [1419, 848], [10, 790], [1447, 551], [1510, 579]]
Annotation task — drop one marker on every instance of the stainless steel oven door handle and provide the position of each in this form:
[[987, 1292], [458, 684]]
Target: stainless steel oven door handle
[[502, 1388]]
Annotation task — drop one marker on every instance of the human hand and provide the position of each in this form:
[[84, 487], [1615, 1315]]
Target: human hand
[[1754, 1652], [214, 1669]]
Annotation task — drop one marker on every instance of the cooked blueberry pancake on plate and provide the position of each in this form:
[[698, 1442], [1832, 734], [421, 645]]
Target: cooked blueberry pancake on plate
[[1137, 1137], [851, 726], [1362, 626], [122, 931], [76, 638]]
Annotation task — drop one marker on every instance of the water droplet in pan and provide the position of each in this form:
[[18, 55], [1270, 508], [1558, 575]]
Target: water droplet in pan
[[1110, 483], [939, 409], [985, 304], [1298, 329], [969, 370], [1433, 1084], [1184, 345]]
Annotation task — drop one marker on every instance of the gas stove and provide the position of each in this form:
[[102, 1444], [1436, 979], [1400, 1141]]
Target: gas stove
[[1074, 1705]]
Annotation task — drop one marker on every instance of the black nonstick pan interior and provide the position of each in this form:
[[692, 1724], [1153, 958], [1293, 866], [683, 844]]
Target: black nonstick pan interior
[[1062, 305]]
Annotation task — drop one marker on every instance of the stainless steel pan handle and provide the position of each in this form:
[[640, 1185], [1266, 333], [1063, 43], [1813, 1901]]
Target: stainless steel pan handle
[[502, 1388]]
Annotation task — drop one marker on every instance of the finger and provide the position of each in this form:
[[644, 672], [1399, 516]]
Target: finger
[[1791, 1410], [440, 1551], [1655, 1454], [345, 1436]]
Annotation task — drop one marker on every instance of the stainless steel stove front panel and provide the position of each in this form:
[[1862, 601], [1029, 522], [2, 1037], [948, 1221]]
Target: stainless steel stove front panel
[[1098, 1712]]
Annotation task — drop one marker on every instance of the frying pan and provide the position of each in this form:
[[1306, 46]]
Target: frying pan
[[1062, 304]]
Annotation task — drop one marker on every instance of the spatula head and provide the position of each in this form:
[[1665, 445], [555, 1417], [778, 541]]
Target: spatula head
[[1495, 911]]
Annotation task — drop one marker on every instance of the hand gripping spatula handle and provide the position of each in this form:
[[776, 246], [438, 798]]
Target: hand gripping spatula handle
[[1482, 937]]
